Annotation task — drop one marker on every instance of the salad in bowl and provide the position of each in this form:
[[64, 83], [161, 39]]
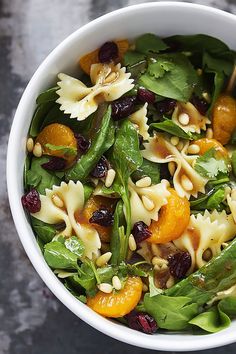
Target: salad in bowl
[[130, 182]]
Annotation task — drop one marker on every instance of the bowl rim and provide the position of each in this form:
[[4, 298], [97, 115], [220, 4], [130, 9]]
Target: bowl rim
[[110, 328]]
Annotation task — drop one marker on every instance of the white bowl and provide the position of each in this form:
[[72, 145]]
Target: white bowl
[[164, 19]]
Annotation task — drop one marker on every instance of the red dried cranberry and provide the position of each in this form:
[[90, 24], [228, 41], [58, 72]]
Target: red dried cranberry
[[102, 217], [140, 231], [31, 201], [100, 170], [82, 143], [141, 321], [201, 104], [165, 106], [179, 264], [145, 95], [123, 107], [108, 52], [55, 164]]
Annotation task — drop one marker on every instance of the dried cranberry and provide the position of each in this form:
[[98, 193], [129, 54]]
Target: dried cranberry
[[123, 107], [31, 201], [165, 106], [141, 321], [108, 52], [201, 104], [145, 95], [55, 164], [102, 217], [83, 144], [179, 264], [100, 170], [140, 231]]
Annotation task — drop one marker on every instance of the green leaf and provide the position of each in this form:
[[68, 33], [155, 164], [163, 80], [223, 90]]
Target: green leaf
[[171, 313], [44, 231], [228, 306], [102, 141], [37, 177], [213, 320], [172, 76], [115, 246], [216, 199], [153, 290], [58, 256], [88, 190], [208, 166], [149, 42], [49, 95], [218, 64], [170, 127], [75, 245], [38, 118], [67, 150], [132, 57], [148, 168], [233, 162]]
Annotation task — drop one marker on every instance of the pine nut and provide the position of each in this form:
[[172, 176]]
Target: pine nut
[[111, 77], [193, 149], [110, 177], [145, 288], [116, 283], [199, 72], [209, 133], [206, 96], [103, 259], [184, 118], [207, 254], [167, 183], [157, 267], [148, 203], [57, 201], [174, 140], [180, 145], [37, 150], [132, 243], [171, 167], [170, 282], [186, 183], [159, 261], [225, 244], [144, 182], [30, 145], [105, 288]]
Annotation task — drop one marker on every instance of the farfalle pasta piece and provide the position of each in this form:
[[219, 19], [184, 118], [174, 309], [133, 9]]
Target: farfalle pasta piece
[[140, 119], [231, 200], [72, 196], [159, 149], [146, 201], [79, 101], [187, 117], [206, 232]]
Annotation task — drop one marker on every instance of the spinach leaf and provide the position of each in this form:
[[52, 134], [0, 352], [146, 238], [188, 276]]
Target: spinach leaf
[[38, 117], [233, 162], [149, 42], [148, 168], [170, 127], [216, 199], [67, 150], [86, 279], [228, 306], [49, 95], [37, 177], [75, 245], [211, 200], [171, 313], [172, 76], [44, 231], [119, 220], [153, 290], [58, 256], [132, 57], [26, 168], [209, 166], [88, 190], [212, 321], [102, 141]]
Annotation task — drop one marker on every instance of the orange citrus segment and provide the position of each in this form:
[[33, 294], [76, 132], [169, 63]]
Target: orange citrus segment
[[206, 144], [224, 118], [87, 60], [120, 303], [172, 221], [58, 135]]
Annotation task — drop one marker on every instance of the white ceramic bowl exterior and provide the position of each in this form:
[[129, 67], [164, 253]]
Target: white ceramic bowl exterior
[[164, 19]]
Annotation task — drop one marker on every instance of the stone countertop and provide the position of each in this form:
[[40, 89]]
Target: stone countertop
[[32, 320]]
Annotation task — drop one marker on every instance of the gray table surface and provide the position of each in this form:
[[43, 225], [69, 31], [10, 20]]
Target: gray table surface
[[32, 320]]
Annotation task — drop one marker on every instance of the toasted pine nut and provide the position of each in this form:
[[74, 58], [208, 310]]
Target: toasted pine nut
[[171, 167], [37, 150], [199, 72], [157, 267], [206, 96], [103, 259], [110, 177], [174, 140], [170, 282], [116, 282], [30, 145], [209, 133], [144, 182], [132, 243], [111, 77], [148, 203], [57, 201], [184, 118], [207, 254], [145, 288], [186, 183], [193, 149], [105, 288], [167, 183], [180, 145], [159, 261]]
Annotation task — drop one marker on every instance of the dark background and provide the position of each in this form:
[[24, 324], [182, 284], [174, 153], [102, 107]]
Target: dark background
[[32, 321]]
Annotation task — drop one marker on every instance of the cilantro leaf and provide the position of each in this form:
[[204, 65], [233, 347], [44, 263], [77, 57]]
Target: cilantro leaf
[[149, 42], [208, 166], [67, 150]]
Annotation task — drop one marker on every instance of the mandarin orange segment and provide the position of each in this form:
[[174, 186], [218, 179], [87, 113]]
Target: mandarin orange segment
[[117, 304], [206, 144], [172, 221], [58, 135], [224, 118], [87, 60]]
